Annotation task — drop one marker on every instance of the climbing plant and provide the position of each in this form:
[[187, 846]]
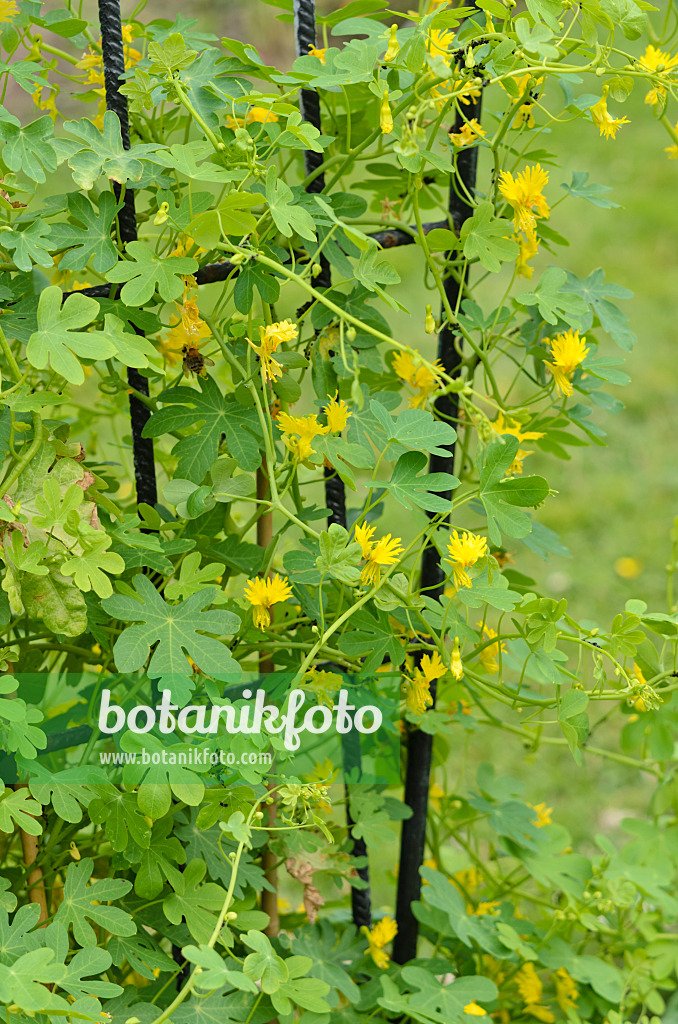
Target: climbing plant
[[234, 458]]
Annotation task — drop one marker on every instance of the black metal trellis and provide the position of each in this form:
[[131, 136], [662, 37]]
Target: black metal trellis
[[461, 190], [335, 492], [420, 744], [114, 68]]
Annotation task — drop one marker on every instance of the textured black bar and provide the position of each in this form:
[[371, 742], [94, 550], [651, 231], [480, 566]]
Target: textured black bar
[[335, 494], [420, 744], [114, 68]]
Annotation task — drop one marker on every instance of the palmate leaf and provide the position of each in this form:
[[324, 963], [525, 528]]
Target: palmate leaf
[[142, 953], [501, 496], [119, 813], [197, 904], [488, 237], [147, 272], [288, 218], [89, 239], [83, 903], [177, 629], [415, 429], [429, 1001], [184, 407], [29, 148], [412, 490], [101, 151], [373, 638], [30, 245], [59, 339], [89, 568], [17, 807]]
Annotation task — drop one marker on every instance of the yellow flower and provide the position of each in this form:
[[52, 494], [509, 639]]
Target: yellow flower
[[489, 655], [385, 115], [567, 992], [318, 52], [456, 664], [525, 194], [260, 115], [363, 535], [47, 104], [568, 351], [485, 908], [270, 337], [604, 121], [419, 693], [188, 332], [305, 428], [468, 879], [431, 667], [474, 1010], [386, 551], [528, 245], [470, 132], [543, 814], [417, 376], [8, 10], [513, 427], [659, 62], [439, 41], [393, 45], [337, 414], [378, 936], [418, 697], [529, 984], [263, 593], [464, 552]]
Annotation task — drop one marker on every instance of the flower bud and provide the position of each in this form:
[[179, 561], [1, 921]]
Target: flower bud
[[316, 270], [161, 215], [393, 45], [385, 115], [351, 332], [429, 321]]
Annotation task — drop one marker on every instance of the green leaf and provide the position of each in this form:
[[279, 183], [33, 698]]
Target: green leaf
[[142, 953], [170, 55], [89, 239], [549, 11], [415, 429], [148, 272], [18, 808], [535, 39], [25, 559], [555, 299], [177, 629], [100, 151], [89, 568], [287, 218], [192, 578], [185, 407], [253, 276], [184, 160], [264, 964], [30, 149], [232, 217], [371, 273], [596, 292], [488, 237], [55, 507], [83, 903], [501, 496], [214, 972], [338, 558], [195, 903], [412, 490], [300, 991], [626, 15], [130, 349], [29, 244], [581, 188], [59, 339], [373, 638], [429, 1001], [55, 600]]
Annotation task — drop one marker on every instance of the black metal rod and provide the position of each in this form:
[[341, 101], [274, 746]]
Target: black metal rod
[[419, 743], [335, 493], [114, 68]]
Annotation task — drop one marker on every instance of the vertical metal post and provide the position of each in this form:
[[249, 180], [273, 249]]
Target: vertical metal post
[[420, 744], [335, 494], [114, 67]]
